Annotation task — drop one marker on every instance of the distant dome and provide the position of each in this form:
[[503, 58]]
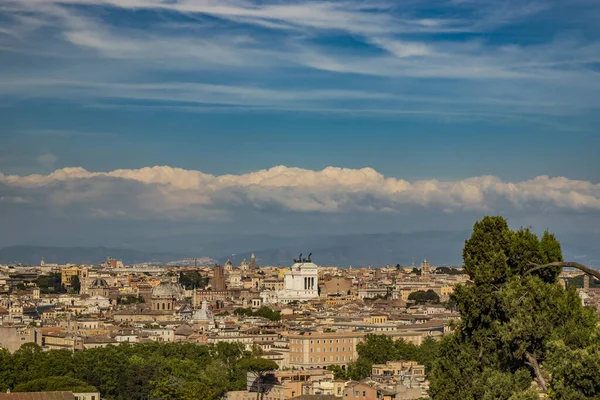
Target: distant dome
[[168, 289], [99, 283], [203, 314]]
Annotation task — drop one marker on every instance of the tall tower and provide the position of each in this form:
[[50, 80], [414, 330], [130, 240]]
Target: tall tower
[[586, 282], [218, 281], [252, 262], [425, 270]]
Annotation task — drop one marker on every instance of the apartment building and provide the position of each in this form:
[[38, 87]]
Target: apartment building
[[309, 350]]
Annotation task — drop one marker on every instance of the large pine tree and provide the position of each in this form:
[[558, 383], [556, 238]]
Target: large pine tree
[[521, 333]]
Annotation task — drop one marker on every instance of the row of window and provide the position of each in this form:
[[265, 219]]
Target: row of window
[[298, 341], [325, 359], [330, 349], [337, 358]]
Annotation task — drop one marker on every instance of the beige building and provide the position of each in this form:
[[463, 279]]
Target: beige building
[[310, 350], [68, 273], [319, 349], [13, 337], [399, 368], [376, 319], [282, 385]]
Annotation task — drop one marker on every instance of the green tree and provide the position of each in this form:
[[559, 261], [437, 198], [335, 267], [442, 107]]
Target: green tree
[[6, 371], [424, 297], [260, 367], [55, 384], [193, 279], [359, 369], [512, 320], [338, 372], [75, 284], [426, 353], [377, 349], [264, 312]]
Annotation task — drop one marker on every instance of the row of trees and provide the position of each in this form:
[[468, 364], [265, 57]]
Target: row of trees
[[378, 349], [167, 371], [264, 312], [50, 283], [424, 297], [193, 280]]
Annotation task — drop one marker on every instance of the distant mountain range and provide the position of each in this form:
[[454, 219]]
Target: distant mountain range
[[439, 247], [80, 255]]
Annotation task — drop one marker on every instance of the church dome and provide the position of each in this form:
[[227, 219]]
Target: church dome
[[168, 289], [99, 283], [203, 314]]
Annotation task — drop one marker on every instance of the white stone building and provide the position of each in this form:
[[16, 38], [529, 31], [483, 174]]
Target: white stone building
[[301, 283]]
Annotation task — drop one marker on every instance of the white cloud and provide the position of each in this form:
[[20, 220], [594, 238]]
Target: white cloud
[[169, 192]]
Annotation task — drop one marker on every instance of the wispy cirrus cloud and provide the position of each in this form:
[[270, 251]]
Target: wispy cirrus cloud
[[271, 49]]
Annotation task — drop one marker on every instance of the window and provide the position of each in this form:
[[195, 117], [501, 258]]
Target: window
[[343, 358], [311, 359], [364, 394]]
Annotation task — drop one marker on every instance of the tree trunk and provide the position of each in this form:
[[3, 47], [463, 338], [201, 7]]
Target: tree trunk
[[580, 267], [532, 361]]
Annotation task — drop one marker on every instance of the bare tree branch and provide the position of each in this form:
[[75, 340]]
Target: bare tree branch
[[532, 361], [563, 264]]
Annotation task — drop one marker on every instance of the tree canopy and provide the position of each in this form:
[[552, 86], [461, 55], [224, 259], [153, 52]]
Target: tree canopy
[[55, 384], [378, 349], [193, 280], [517, 326], [264, 312], [169, 371], [423, 297]]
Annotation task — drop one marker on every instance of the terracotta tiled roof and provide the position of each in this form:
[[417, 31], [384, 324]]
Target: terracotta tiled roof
[[37, 396]]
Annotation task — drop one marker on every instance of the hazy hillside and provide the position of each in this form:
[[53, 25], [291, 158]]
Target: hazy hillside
[[440, 247], [443, 248], [85, 255]]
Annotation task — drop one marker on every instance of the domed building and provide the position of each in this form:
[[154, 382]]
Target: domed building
[[165, 294], [203, 318], [228, 266], [99, 287]]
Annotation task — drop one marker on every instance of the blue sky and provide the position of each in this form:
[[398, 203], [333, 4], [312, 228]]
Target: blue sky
[[444, 90]]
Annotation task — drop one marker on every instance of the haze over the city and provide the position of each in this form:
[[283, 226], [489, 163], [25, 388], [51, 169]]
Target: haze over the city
[[165, 125]]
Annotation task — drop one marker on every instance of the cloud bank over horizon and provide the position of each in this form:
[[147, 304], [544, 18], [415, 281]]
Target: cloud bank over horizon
[[164, 192]]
